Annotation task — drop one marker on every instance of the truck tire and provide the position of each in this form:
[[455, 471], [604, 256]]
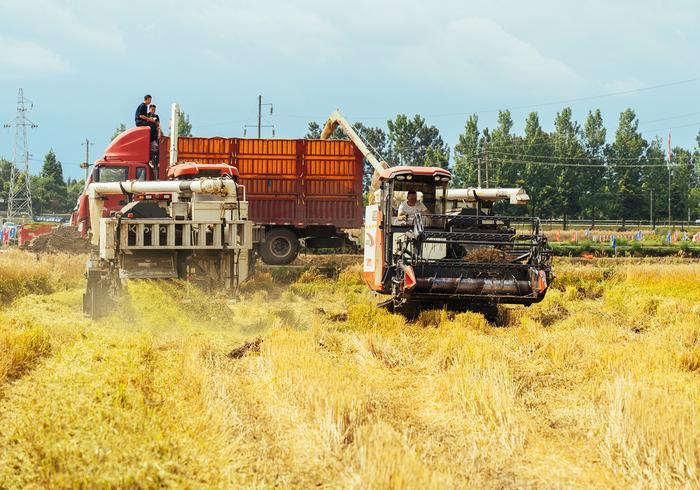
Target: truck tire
[[281, 246]]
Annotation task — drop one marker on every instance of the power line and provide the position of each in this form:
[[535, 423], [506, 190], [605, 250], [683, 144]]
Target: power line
[[680, 116], [580, 165], [541, 104], [585, 157], [672, 127], [497, 154], [610, 94]]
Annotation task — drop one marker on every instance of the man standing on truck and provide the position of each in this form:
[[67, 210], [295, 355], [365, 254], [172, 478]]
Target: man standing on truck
[[141, 117], [155, 136], [155, 125]]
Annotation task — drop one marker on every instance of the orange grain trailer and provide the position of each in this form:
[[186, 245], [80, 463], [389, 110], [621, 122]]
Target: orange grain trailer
[[296, 188]]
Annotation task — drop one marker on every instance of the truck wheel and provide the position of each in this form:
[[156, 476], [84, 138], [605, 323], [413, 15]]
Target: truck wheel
[[281, 246]]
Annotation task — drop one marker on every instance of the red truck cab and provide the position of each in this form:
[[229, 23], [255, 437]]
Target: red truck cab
[[126, 158]]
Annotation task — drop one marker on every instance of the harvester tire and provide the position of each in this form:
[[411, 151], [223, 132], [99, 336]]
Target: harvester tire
[[281, 247]]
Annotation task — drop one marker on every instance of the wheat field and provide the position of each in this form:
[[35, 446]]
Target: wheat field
[[597, 386]]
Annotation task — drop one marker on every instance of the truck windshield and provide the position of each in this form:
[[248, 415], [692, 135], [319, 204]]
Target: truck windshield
[[112, 174]]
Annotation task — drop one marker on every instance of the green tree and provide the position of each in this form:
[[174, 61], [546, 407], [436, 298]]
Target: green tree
[[682, 178], [313, 131], [377, 142], [655, 181], [502, 165], [466, 154], [50, 192], [694, 200], [595, 192], [694, 194], [118, 130], [413, 142], [569, 153], [624, 156], [539, 180], [5, 173], [74, 188], [184, 127]]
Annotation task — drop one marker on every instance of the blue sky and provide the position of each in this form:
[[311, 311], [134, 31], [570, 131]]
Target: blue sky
[[86, 64]]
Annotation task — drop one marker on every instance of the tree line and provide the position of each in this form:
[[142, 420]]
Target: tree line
[[571, 172], [51, 193]]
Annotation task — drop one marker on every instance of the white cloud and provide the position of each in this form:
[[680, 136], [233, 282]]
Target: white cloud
[[90, 25], [18, 57], [474, 51], [270, 29]]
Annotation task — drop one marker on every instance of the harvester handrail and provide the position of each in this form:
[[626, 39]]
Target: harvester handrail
[[535, 221]]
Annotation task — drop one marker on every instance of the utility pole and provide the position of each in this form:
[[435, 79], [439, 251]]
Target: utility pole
[[669, 194], [478, 172], [651, 207], [486, 163], [260, 125], [87, 144], [668, 165], [259, 114], [19, 202], [485, 139]]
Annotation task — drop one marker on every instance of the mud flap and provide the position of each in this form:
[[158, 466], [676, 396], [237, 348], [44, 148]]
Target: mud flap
[[96, 299]]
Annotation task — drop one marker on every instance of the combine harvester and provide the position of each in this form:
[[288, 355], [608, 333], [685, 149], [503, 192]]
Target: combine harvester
[[460, 256], [203, 234], [193, 227]]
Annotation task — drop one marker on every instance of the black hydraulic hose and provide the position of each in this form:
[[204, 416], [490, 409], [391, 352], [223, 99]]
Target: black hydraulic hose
[[129, 195], [118, 233]]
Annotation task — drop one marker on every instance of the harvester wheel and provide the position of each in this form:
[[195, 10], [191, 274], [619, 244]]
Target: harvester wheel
[[281, 246]]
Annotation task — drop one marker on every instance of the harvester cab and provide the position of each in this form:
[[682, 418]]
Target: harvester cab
[[458, 255]]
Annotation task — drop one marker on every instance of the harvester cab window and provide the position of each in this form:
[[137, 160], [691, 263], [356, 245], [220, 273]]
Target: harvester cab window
[[426, 192], [431, 194], [112, 174]]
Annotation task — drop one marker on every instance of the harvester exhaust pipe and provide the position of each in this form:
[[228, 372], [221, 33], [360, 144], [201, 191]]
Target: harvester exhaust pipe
[[174, 125]]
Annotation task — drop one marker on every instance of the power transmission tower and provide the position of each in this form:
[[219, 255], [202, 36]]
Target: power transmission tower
[[19, 202]]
